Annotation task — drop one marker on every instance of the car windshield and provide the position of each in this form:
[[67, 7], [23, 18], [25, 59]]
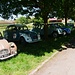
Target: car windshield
[[54, 25], [22, 28], [57, 25], [11, 27], [61, 24], [17, 27]]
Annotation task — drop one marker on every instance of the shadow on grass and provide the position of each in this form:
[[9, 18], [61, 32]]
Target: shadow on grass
[[39, 49]]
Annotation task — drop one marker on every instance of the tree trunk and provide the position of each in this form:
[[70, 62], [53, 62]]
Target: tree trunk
[[45, 18], [45, 31], [65, 19], [45, 27], [66, 11]]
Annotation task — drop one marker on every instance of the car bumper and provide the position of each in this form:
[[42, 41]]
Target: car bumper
[[34, 41], [3, 58]]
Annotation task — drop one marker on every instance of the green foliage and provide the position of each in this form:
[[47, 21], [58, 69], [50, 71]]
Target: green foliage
[[23, 20], [9, 7], [40, 8], [38, 20]]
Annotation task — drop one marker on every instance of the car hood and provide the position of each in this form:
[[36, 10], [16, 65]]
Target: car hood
[[4, 44], [65, 28]]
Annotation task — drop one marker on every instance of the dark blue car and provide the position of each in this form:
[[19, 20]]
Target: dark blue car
[[65, 29], [20, 33]]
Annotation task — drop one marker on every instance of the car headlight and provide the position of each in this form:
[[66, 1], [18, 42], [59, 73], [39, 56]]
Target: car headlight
[[60, 31], [12, 45]]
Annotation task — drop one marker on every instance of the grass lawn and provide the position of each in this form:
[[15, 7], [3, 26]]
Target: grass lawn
[[31, 55]]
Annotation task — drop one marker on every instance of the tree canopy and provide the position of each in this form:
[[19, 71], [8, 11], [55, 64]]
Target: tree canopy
[[37, 7], [42, 8]]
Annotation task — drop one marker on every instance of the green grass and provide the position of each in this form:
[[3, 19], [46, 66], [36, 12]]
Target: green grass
[[31, 55], [22, 64]]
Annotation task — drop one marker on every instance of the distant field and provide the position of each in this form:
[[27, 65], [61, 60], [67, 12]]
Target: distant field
[[4, 23], [7, 22]]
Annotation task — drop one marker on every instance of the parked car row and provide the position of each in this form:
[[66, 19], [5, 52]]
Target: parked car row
[[21, 33], [54, 29], [15, 33]]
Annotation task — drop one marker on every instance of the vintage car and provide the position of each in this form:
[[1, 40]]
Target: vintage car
[[7, 49], [53, 30], [65, 29], [20, 33]]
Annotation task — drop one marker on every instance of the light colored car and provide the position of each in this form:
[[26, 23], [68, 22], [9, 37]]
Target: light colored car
[[7, 49]]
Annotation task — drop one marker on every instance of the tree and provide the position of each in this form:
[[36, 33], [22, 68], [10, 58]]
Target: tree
[[40, 8], [21, 20], [65, 9], [8, 7], [38, 20], [68, 6]]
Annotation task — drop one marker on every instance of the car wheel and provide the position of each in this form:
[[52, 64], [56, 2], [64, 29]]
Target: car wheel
[[55, 34], [22, 40]]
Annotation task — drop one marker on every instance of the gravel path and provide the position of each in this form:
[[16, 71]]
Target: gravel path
[[62, 63]]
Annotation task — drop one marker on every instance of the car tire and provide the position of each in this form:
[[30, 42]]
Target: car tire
[[55, 34], [22, 40]]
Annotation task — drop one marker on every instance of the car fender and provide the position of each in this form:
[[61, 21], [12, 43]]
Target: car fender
[[26, 37], [60, 31]]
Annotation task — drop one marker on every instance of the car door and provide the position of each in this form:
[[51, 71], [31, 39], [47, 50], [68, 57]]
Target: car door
[[10, 33], [50, 29], [15, 34]]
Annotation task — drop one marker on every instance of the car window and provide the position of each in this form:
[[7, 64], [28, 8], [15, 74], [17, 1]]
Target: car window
[[12, 28], [51, 26], [22, 28], [61, 24], [25, 28], [56, 25]]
